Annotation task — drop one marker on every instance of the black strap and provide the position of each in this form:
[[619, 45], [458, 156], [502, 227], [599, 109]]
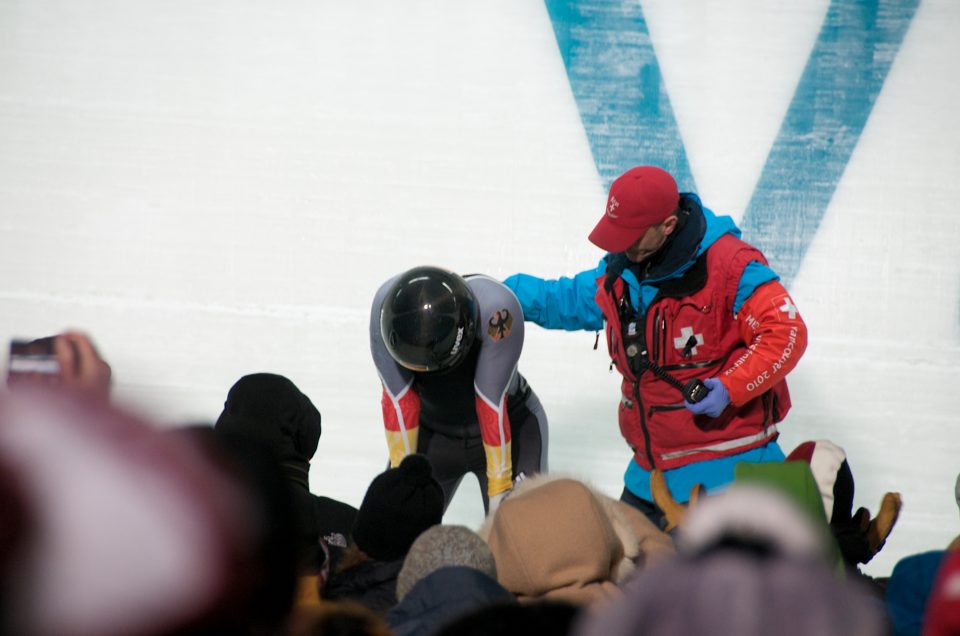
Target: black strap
[[635, 348]]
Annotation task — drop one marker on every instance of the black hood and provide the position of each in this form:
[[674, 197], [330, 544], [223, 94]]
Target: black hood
[[271, 409]]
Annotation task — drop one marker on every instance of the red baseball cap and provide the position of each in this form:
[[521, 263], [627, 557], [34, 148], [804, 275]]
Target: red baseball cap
[[639, 199]]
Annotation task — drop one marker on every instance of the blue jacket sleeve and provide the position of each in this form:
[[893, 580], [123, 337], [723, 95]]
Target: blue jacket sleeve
[[565, 303], [754, 275]]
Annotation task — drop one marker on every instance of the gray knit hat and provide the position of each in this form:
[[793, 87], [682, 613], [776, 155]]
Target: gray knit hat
[[443, 546]]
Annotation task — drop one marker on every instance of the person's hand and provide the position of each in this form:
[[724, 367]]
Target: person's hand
[[880, 526], [81, 367], [712, 405]]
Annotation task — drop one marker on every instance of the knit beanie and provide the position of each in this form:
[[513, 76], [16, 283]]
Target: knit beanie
[[399, 505], [444, 546], [753, 514], [728, 593], [795, 480], [828, 463], [271, 409]]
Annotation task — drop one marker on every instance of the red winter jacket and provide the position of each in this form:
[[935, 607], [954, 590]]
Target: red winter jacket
[[690, 330]]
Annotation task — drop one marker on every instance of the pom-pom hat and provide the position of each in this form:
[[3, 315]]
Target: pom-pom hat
[[828, 463], [399, 505]]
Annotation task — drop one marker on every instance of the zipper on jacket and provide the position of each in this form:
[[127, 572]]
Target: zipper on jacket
[[641, 326], [690, 365], [627, 315], [611, 344], [655, 340], [659, 408], [647, 446], [765, 399], [703, 309], [663, 335]]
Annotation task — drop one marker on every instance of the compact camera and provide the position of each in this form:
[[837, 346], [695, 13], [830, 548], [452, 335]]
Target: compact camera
[[32, 361]]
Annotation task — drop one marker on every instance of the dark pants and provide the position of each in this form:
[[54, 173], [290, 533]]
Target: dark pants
[[648, 508], [453, 457]]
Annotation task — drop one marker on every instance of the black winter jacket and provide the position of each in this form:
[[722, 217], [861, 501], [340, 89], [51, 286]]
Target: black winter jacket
[[370, 583], [443, 596]]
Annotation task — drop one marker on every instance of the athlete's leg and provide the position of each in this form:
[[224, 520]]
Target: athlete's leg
[[648, 508], [449, 459], [528, 429], [477, 464]]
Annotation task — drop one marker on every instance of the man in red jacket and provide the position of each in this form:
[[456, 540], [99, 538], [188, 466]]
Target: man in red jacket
[[685, 304]]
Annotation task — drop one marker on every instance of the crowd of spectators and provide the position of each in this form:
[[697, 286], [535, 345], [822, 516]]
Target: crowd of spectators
[[111, 526]]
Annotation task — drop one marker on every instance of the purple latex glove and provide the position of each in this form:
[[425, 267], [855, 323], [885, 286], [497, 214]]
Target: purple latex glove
[[716, 400]]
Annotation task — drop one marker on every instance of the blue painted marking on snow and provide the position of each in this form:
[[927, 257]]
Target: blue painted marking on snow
[[616, 81], [839, 86]]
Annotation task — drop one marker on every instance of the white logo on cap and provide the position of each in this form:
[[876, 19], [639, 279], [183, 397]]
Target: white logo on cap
[[611, 206]]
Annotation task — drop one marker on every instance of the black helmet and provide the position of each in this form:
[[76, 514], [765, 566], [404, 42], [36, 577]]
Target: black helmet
[[428, 319]]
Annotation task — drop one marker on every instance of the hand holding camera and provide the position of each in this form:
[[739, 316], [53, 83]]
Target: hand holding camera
[[68, 360]]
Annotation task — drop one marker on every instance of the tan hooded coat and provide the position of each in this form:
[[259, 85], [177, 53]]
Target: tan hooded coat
[[556, 538]]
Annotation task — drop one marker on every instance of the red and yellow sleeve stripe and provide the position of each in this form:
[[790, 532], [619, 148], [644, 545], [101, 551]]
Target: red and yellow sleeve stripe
[[495, 431], [401, 423]]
